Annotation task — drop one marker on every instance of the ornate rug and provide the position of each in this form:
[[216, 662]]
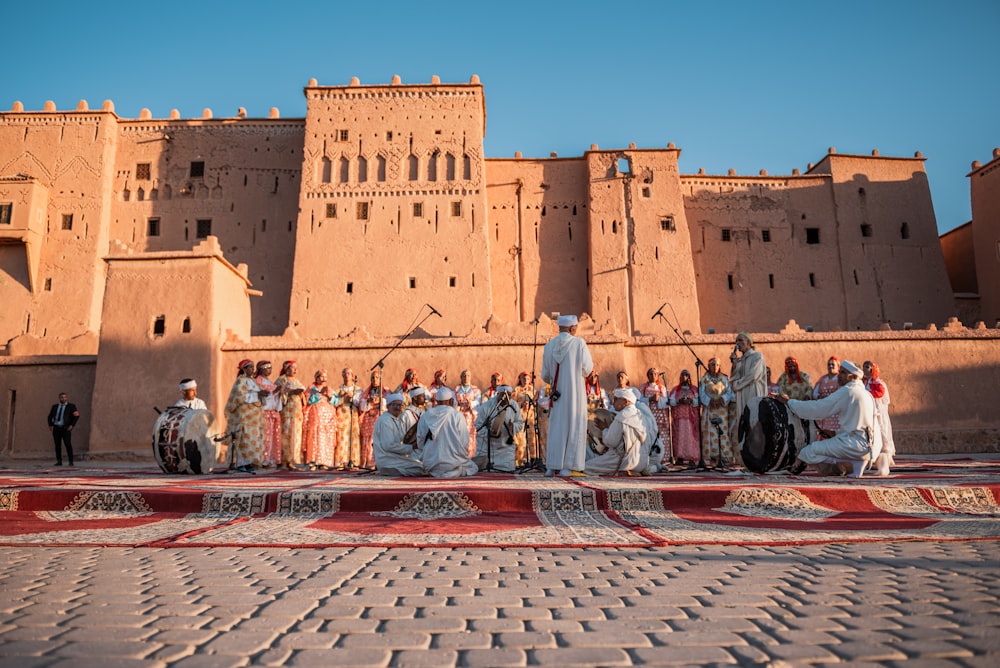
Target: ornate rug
[[952, 500]]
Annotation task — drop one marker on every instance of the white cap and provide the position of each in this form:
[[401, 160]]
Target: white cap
[[417, 391], [504, 388], [188, 384], [851, 368], [394, 397], [444, 394], [567, 320], [625, 393]]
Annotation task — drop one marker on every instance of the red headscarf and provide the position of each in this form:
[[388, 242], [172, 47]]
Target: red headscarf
[[243, 363], [797, 375], [874, 383], [437, 377], [286, 365]]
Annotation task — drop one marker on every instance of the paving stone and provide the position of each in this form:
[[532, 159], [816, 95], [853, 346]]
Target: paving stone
[[524, 639], [357, 657], [425, 657], [423, 624], [582, 656], [496, 657], [464, 640], [240, 642], [402, 640]]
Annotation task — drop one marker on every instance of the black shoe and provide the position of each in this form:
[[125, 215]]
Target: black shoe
[[798, 467]]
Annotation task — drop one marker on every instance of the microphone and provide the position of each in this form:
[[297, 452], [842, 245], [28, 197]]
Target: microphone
[[433, 310], [659, 311]]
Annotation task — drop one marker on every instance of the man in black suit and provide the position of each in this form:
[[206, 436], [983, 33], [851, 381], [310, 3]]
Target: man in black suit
[[62, 417]]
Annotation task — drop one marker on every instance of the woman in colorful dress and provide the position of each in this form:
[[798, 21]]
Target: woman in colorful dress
[[372, 405], [596, 396], [293, 403], [625, 382], [716, 397], [524, 440], [684, 420], [467, 400], [348, 422], [245, 418], [440, 381], [319, 433], [272, 414], [880, 392], [826, 386], [655, 394], [496, 380], [794, 382], [409, 382]]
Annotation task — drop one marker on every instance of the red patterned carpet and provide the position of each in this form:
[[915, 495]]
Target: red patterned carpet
[[923, 499]]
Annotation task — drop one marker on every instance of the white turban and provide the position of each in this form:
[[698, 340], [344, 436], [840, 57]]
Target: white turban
[[417, 391], [851, 368], [394, 397], [188, 384], [567, 320], [444, 394], [625, 393], [504, 388]]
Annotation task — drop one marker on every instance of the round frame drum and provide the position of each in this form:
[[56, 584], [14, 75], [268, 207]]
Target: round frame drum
[[181, 443], [770, 435]]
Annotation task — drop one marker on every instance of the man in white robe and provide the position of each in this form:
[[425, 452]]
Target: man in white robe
[[498, 449], [857, 439], [189, 395], [443, 438], [566, 361], [416, 406], [623, 438], [392, 456], [652, 446], [748, 378]]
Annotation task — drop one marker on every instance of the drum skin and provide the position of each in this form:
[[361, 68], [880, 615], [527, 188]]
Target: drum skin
[[770, 435], [181, 441]]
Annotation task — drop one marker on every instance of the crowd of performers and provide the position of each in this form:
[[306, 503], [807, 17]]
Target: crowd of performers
[[447, 431]]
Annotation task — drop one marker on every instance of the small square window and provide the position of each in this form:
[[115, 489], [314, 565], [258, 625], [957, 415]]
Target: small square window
[[153, 227], [388, 136], [350, 288], [727, 234], [331, 210], [866, 230], [5, 212], [362, 210], [160, 325], [186, 326], [765, 235], [667, 224], [142, 171], [67, 221], [456, 208], [451, 281], [418, 209], [413, 283], [343, 134], [645, 192], [812, 235], [197, 169], [204, 229]]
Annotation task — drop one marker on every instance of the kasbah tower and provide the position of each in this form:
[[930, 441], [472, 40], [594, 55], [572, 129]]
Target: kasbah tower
[[139, 251]]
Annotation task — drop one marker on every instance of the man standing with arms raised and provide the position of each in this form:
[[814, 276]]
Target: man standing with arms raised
[[566, 362]]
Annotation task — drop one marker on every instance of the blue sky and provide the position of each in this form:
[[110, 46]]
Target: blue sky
[[748, 86]]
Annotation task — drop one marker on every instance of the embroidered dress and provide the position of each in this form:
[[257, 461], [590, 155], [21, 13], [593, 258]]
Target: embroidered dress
[[292, 417], [372, 406], [657, 398], [716, 398], [348, 427], [245, 416], [684, 422], [467, 400], [524, 441], [319, 433], [826, 386], [272, 421]]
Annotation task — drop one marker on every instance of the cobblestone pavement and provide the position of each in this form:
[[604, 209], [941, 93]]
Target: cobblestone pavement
[[876, 603]]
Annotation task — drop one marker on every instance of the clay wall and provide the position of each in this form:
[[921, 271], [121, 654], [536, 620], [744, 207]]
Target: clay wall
[[69, 154], [239, 176], [539, 247], [984, 183], [958, 249], [392, 211], [898, 271], [167, 315]]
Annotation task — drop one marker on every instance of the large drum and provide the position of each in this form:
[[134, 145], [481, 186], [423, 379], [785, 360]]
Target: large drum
[[181, 441], [770, 435]]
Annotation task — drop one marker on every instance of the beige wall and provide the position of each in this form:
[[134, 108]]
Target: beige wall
[[984, 182]]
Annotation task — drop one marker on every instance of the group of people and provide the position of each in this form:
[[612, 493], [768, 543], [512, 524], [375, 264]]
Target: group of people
[[569, 423]]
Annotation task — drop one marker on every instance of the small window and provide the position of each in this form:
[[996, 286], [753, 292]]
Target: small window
[[667, 224], [904, 231], [413, 283], [729, 280], [204, 229], [5, 212], [645, 192], [866, 230], [197, 169], [153, 227], [388, 135], [331, 210], [812, 235], [727, 235], [350, 286], [456, 208], [414, 168], [186, 326], [159, 325], [451, 281], [770, 281], [67, 221], [623, 166], [142, 171], [48, 285], [765, 236], [343, 135], [362, 210], [812, 280], [418, 209]]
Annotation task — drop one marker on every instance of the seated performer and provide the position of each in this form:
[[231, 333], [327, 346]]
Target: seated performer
[[652, 446], [393, 456], [857, 439], [623, 438], [443, 437], [189, 395], [499, 420]]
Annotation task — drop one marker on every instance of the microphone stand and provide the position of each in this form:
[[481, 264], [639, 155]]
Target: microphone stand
[[534, 462], [698, 366]]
